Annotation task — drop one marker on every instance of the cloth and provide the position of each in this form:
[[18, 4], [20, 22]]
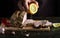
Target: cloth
[[18, 18]]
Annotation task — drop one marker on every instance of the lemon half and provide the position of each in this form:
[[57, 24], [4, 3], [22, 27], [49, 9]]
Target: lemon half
[[33, 8], [56, 24]]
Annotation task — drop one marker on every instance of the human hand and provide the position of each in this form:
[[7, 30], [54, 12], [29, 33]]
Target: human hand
[[29, 1]]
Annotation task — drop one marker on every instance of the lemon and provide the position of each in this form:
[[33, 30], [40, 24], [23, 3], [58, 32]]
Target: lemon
[[56, 24], [33, 8]]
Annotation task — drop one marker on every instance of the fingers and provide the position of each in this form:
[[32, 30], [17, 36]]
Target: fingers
[[37, 3], [26, 2], [29, 1]]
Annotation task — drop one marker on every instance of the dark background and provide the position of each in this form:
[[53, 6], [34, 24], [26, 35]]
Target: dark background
[[48, 8]]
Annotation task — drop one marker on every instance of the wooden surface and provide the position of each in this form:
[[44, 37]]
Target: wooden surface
[[28, 28]]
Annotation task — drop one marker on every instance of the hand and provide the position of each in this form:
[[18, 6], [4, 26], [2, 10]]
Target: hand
[[29, 1]]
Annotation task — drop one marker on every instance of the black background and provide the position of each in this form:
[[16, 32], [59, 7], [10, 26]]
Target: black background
[[49, 9]]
